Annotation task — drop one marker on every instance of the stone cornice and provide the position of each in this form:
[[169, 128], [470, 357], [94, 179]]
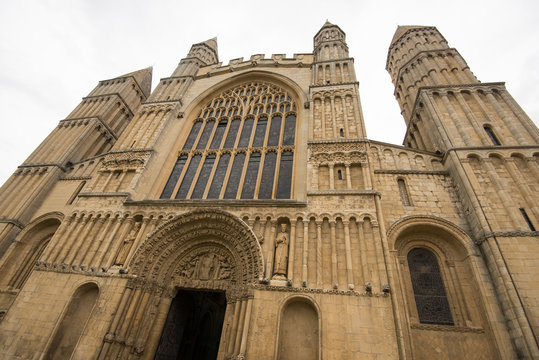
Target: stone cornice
[[216, 202], [15, 222], [415, 172], [331, 85], [110, 94], [516, 233], [337, 141], [67, 178], [342, 192], [308, 290], [448, 328], [126, 77], [98, 118], [334, 60], [104, 194]]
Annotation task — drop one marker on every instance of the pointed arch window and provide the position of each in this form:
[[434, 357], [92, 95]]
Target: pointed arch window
[[215, 161]]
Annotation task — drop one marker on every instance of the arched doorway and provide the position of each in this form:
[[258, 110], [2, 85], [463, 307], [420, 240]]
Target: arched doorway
[[204, 261]]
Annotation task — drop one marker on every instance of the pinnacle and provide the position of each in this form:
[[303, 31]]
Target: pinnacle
[[401, 29], [212, 43], [143, 78]]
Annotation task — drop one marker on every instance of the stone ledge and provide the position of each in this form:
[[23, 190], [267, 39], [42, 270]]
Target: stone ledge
[[342, 192], [216, 202], [449, 328]]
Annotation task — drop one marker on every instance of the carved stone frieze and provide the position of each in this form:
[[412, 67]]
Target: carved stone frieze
[[128, 159]]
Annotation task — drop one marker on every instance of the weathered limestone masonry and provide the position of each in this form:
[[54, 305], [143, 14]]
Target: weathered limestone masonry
[[240, 212]]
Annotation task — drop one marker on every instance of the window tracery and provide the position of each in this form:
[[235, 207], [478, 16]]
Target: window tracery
[[242, 141]]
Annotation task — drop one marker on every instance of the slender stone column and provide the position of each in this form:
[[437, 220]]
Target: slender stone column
[[319, 254], [271, 249], [363, 252], [304, 272], [234, 328], [506, 120], [157, 328], [349, 269], [524, 190], [315, 176], [348, 177], [500, 191], [334, 267], [292, 249], [245, 332], [331, 176]]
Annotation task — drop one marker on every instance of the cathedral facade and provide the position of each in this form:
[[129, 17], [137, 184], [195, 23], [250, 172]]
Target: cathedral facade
[[240, 211]]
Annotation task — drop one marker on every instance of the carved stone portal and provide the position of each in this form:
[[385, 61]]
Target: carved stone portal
[[208, 264]]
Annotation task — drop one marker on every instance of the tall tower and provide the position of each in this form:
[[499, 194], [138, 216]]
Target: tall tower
[[489, 147], [92, 128], [334, 89]]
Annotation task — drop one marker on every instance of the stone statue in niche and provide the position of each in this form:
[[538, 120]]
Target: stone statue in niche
[[126, 245], [281, 254], [207, 266]]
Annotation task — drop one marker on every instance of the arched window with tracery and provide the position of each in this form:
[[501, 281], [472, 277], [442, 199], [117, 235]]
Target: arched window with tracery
[[240, 146], [428, 286]]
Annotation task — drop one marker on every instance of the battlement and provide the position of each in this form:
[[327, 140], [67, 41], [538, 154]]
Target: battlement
[[258, 60]]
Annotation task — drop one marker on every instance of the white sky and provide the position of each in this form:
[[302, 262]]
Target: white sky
[[53, 52]]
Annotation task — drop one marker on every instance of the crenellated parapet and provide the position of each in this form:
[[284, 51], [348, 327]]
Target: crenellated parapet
[[257, 61]]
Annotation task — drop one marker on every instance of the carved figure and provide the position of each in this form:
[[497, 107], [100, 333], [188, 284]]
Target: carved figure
[[126, 245], [281, 253]]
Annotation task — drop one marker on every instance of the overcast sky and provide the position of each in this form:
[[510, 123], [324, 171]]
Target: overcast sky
[[53, 53]]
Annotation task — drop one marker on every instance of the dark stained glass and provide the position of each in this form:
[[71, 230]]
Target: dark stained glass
[[289, 130], [275, 131], [268, 175], [232, 133], [206, 133], [260, 132], [251, 176], [192, 136], [253, 101], [428, 286], [174, 176], [285, 175], [219, 177], [188, 178], [235, 176], [218, 136], [246, 133], [203, 177]]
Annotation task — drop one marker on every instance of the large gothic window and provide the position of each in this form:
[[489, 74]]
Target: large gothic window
[[240, 146], [429, 291]]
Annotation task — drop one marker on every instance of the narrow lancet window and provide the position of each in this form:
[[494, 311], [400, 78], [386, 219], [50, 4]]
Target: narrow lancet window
[[235, 176], [251, 176], [403, 192], [527, 219], [188, 178], [268, 174], [174, 176], [285, 175], [203, 177], [492, 136], [219, 177]]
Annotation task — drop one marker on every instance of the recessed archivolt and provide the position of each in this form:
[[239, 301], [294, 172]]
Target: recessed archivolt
[[400, 232], [163, 250]]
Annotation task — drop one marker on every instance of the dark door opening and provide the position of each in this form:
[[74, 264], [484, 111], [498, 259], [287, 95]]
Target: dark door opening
[[193, 326]]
